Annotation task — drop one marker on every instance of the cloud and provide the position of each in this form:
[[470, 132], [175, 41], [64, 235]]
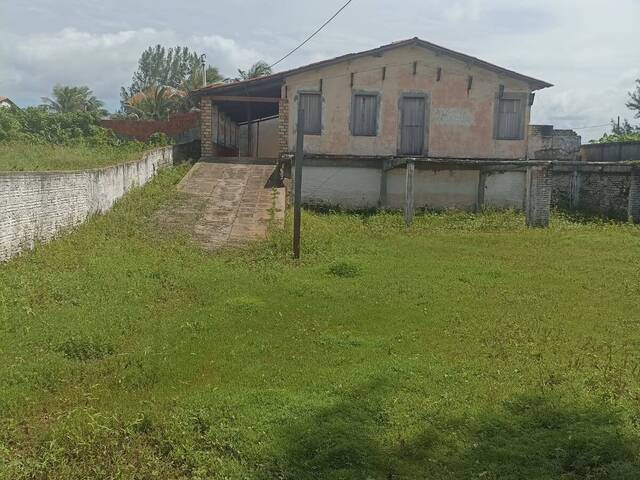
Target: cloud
[[103, 61], [588, 51]]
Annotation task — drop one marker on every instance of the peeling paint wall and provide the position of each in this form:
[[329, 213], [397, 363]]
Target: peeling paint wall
[[460, 123]]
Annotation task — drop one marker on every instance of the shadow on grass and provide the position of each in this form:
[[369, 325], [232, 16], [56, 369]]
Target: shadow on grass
[[528, 437]]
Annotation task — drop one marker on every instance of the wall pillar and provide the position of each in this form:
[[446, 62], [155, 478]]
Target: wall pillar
[[538, 195], [206, 131], [283, 127], [634, 195]]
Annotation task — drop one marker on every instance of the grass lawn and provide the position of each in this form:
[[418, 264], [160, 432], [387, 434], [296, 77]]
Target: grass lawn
[[22, 156], [466, 347]]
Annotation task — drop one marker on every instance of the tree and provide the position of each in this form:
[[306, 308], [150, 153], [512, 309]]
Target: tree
[[258, 69], [73, 99], [177, 67], [634, 100], [155, 102]]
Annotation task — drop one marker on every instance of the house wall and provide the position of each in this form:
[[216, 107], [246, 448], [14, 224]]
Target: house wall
[[461, 124], [267, 137], [37, 206]]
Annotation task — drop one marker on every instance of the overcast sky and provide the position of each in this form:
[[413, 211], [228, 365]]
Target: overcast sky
[[587, 48]]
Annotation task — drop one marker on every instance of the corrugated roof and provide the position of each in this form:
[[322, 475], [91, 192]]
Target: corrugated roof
[[535, 83]]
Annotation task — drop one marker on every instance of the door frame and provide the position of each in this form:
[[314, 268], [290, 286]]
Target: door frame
[[427, 119]]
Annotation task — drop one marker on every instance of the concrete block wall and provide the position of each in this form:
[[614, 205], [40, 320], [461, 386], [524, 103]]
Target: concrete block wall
[[37, 206]]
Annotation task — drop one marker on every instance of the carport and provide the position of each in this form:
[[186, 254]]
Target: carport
[[243, 120]]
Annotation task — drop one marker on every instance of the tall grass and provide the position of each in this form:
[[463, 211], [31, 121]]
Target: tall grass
[[464, 347]]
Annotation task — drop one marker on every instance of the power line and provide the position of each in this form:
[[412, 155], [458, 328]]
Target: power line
[[592, 126], [313, 34]]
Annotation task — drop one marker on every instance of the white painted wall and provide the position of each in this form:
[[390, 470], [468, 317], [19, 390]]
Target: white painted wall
[[434, 189], [37, 206], [354, 188], [505, 190]]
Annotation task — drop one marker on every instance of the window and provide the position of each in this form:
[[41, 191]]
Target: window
[[311, 103], [364, 114], [510, 120]]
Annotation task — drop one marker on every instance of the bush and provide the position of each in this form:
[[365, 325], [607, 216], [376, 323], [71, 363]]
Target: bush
[[74, 128]]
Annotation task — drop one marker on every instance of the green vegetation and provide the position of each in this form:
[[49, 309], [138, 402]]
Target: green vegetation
[[22, 156], [625, 132], [465, 347], [67, 99], [35, 139]]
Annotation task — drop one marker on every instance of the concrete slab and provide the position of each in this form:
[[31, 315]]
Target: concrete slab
[[227, 204]]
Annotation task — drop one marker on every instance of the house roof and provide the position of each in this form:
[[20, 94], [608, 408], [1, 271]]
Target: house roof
[[276, 78], [6, 99]]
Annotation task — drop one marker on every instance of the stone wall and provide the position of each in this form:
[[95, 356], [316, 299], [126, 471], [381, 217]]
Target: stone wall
[[37, 206]]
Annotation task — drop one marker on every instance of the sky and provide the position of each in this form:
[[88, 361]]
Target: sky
[[587, 48]]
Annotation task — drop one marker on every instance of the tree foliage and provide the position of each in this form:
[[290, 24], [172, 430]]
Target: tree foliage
[[634, 100], [625, 132], [258, 69], [155, 102], [174, 69], [67, 99]]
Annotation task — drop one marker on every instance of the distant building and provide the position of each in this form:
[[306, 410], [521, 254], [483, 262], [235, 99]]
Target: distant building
[[6, 102]]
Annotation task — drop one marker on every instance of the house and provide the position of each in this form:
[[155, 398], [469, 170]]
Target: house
[[6, 102], [409, 98]]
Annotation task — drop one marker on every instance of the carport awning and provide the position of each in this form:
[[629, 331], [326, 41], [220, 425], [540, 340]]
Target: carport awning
[[246, 100]]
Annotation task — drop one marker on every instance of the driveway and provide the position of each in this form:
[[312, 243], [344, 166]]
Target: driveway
[[227, 204]]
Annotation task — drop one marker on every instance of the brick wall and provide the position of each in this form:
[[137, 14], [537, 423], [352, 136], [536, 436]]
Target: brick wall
[[593, 188], [283, 126], [634, 195], [538, 196], [37, 206], [206, 127], [182, 127]]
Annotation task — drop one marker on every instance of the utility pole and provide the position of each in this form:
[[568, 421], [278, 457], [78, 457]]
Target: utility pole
[[204, 69], [297, 190]]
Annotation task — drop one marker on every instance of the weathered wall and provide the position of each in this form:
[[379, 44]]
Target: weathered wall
[[461, 123], [264, 139], [610, 152], [354, 188], [547, 143], [182, 127], [597, 188], [36, 206]]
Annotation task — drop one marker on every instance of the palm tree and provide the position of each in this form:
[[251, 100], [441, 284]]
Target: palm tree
[[155, 103], [258, 69], [73, 99]]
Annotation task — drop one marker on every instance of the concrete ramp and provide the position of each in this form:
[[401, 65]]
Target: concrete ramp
[[229, 204]]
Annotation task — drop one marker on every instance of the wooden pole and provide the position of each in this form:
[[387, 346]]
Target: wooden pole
[[408, 201], [297, 191]]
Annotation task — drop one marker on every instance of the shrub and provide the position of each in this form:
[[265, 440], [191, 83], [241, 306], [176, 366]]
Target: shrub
[[344, 269], [84, 348]]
